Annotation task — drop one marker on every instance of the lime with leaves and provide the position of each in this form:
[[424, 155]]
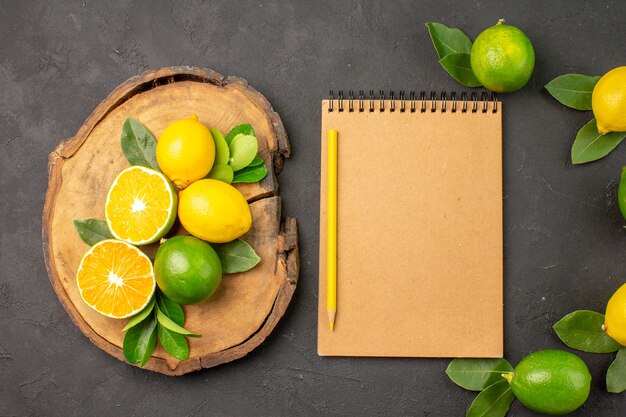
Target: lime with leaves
[[187, 269], [553, 382], [502, 58]]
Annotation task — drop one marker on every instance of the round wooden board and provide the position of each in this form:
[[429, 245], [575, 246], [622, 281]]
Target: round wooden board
[[248, 305]]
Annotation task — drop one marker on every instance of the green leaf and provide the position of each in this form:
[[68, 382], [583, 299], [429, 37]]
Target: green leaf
[[244, 129], [175, 344], [590, 145], [169, 324], [92, 231], [256, 162], [460, 68], [139, 317], [494, 401], [140, 341], [171, 309], [222, 173], [236, 256], [250, 174], [573, 90], [477, 374], [448, 40], [582, 330], [243, 149], [138, 144], [616, 375], [222, 153]]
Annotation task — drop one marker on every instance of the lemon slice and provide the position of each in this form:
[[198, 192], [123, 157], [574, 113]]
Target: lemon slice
[[115, 279], [141, 206]]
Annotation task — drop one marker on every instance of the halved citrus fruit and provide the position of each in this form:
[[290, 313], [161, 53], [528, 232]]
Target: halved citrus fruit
[[115, 279], [141, 206]]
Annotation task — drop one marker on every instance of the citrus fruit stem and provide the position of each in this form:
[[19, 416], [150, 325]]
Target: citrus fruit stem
[[500, 21], [508, 376]]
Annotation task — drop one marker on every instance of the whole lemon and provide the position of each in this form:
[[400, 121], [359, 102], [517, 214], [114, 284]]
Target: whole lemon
[[214, 211], [185, 151], [615, 317], [608, 101], [502, 58]]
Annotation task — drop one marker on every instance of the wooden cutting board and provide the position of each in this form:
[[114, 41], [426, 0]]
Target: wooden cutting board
[[247, 305]]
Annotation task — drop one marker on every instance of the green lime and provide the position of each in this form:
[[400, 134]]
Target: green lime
[[551, 382], [502, 58], [187, 269]]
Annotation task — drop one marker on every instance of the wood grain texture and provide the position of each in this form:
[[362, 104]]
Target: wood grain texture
[[248, 305]]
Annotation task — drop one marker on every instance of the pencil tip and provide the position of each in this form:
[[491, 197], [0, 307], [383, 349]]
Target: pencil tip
[[332, 326], [331, 319]]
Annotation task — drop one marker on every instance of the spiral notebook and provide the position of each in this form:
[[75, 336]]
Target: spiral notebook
[[419, 226]]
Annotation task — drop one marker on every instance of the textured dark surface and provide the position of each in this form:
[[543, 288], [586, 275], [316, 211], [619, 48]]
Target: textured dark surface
[[564, 240]]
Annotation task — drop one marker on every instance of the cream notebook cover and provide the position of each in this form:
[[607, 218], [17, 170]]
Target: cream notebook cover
[[419, 229]]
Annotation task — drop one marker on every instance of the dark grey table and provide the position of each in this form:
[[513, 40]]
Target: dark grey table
[[565, 246]]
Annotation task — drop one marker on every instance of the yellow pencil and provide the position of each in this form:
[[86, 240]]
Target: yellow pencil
[[331, 232]]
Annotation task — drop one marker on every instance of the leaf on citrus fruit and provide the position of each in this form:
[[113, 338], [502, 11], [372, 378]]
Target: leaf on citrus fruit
[[256, 161], [171, 309], [175, 344], [459, 67], [222, 173], [222, 153], [244, 129], [616, 375], [582, 330], [573, 90], [448, 40], [494, 401], [169, 324], [477, 374], [92, 231], [138, 144], [139, 317], [140, 341], [251, 173], [236, 256], [243, 150], [590, 145]]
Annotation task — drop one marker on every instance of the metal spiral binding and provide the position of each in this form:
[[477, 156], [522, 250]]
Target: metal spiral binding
[[477, 103]]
